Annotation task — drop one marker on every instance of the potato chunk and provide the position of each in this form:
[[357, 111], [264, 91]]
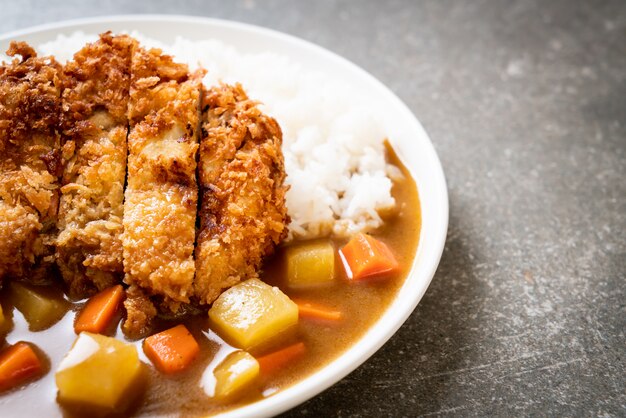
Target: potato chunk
[[99, 373], [310, 264], [235, 373], [252, 313], [41, 307]]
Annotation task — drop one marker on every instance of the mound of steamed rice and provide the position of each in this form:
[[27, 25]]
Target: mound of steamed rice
[[333, 144]]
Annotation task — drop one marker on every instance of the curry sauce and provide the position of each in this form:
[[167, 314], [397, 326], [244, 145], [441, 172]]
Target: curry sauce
[[361, 304]]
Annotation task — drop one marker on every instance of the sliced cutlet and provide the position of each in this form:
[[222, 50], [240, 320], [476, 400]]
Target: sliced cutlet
[[30, 104], [95, 122], [161, 195], [241, 176]]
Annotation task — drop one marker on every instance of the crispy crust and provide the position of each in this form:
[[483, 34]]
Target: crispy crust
[[146, 232], [30, 90], [139, 313], [95, 103], [243, 215], [161, 196]]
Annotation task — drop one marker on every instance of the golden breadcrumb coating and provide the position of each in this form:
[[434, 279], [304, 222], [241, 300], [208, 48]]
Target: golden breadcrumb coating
[[139, 313], [30, 90], [161, 196], [95, 104], [147, 232], [241, 177]]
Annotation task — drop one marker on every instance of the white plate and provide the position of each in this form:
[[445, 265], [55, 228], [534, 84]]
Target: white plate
[[405, 132]]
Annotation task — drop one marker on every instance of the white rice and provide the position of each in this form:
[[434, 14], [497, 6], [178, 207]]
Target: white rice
[[333, 143]]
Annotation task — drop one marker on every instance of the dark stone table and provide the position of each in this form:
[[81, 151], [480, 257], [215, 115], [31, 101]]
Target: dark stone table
[[525, 102]]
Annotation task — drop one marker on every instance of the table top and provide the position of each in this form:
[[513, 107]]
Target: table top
[[526, 105]]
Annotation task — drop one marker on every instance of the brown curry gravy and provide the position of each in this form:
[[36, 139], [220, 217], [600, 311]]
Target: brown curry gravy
[[182, 394]]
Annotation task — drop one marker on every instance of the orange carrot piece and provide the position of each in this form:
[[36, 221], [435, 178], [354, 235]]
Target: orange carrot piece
[[171, 350], [312, 310], [271, 362], [99, 310], [18, 363], [365, 256]]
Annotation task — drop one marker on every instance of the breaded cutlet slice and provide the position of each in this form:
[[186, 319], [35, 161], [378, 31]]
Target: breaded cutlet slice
[[95, 125], [30, 104], [161, 195], [241, 176]]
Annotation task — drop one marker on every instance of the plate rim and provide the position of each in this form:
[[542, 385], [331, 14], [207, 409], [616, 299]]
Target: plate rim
[[297, 393]]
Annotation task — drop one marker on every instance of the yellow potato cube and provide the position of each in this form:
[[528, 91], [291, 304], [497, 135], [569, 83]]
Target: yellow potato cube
[[99, 372], [234, 374], [310, 264], [42, 307], [252, 312]]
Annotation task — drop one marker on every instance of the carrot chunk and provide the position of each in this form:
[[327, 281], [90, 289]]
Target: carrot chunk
[[312, 310], [99, 310], [18, 363], [365, 257], [272, 362], [172, 350]]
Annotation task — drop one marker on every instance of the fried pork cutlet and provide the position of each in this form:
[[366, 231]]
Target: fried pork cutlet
[[241, 177], [30, 102], [95, 122], [161, 196]]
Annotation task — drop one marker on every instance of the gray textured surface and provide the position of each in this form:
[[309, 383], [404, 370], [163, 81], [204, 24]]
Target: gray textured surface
[[526, 105]]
